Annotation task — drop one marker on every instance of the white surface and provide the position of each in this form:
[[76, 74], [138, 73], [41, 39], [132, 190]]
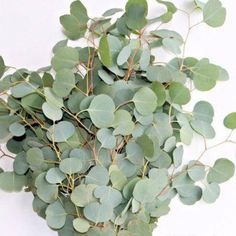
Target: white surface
[[29, 29]]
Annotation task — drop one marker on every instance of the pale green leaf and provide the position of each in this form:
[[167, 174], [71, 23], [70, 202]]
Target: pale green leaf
[[101, 111], [222, 171], [214, 14]]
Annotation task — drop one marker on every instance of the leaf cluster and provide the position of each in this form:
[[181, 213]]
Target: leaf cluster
[[99, 135]]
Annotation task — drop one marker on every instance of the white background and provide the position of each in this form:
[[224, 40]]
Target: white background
[[30, 28]]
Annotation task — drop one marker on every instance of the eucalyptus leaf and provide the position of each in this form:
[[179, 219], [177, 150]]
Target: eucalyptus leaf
[[214, 14], [222, 171], [56, 215], [11, 182]]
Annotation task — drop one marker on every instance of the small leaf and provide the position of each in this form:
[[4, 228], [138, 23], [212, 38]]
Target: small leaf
[[11, 182], [104, 52], [56, 215], [82, 195], [112, 11], [70, 166], [222, 171], [65, 58], [146, 190], [160, 92], [145, 59], [97, 175], [97, 212], [106, 138], [230, 121], [159, 73], [35, 158], [124, 55], [23, 89], [178, 156], [179, 94], [145, 101], [123, 123], [51, 112], [17, 129], [205, 75], [55, 176], [2, 67], [214, 14], [109, 195], [101, 111], [52, 99], [81, 225], [197, 172], [134, 153], [64, 83], [146, 144], [203, 128], [107, 78], [203, 111], [211, 193], [45, 191], [61, 131], [136, 11]]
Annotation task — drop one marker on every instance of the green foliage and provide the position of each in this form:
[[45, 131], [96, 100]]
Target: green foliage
[[99, 135], [222, 171], [230, 121], [214, 14]]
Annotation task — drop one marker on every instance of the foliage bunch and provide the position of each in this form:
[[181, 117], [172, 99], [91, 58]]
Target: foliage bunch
[[98, 135]]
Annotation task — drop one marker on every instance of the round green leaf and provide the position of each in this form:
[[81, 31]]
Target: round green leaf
[[82, 195], [105, 52], [211, 193], [146, 144], [101, 111], [56, 215], [159, 90], [106, 138], [222, 171], [203, 128], [65, 58], [11, 182], [64, 82], [159, 74], [108, 195], [123, 123], [61, 132], [97, 175], [179, 94], [70, 166], [146, 190], [52, 112], [35, 158], [145, 101], [45, 191], [124, 55], [197, 172], [17, 129], [138, 227], [136, 11], [214, 14], [81, 225], [230, 121], [203, 111], [205, 75], [107, 78], [55, 176], [97, 212]]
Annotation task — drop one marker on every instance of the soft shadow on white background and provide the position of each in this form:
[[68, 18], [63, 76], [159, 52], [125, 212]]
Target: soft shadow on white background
[[30, 28]]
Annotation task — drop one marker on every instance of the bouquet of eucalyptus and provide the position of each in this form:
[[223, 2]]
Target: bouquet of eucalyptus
[[98, 136]]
